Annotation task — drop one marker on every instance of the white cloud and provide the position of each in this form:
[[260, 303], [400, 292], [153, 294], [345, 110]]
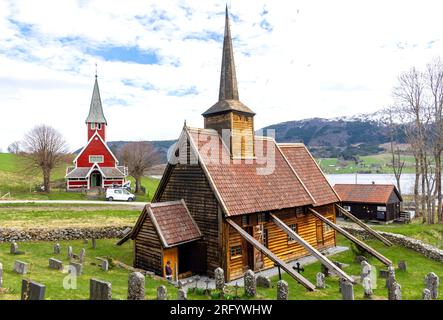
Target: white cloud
[[322, 58]]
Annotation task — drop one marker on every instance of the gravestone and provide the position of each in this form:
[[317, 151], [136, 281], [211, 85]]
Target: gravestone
[[426, 295], [219, 279], [32, 290], [321, 283], [85, 241], [100, 290], [359, 259], [94, 243], [82, 255], [104, 264], [324, 270], [250, 283], [21, 267], [394, 291], [340, 284], [282, 290], [367, 287], [181, 294], [383, 274], [57, 248], [136, 286], [347, 290], [365, 270], [78, 267], [432, 283], [263, 281], [14, 248], [70, 253], [55, 264], [1, 275], [391, 277], [162, 293], [402, 265]]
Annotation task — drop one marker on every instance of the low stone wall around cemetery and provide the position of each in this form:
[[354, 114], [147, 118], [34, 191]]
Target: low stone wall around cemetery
[[38, 234], [425, 249]]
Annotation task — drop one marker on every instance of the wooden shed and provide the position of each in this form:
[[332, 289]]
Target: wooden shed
[[370, 202], [166, 232]]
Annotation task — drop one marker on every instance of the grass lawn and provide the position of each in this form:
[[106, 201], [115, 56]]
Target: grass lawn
[[22, 216], [429, 233], [39, 252]]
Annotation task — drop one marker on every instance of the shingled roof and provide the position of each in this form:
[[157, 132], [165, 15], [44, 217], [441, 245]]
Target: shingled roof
[[366, 193], [172, 221], [309, 172], [96, 114]]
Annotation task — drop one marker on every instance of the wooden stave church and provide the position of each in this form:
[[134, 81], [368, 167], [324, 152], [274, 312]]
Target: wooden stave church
[[103, 171], [227, 200]]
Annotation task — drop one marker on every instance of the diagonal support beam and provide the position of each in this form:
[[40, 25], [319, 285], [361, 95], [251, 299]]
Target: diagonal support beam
[[313, 251], [373, 252], [298, 277], [364, 226]]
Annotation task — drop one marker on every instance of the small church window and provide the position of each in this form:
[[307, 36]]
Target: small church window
[[99, 126], [293, 227], [235, 251], [92, 126], [96, 159]]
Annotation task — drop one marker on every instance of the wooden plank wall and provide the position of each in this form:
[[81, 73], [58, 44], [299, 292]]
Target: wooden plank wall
[[242, 135], [148, 253], [278, 239], [188, 182]]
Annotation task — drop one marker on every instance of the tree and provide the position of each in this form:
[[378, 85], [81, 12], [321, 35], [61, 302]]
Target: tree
[[46, 148], [14, 147], [138, 157]]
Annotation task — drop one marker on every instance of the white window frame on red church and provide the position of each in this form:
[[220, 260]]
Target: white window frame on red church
[[97, 156]]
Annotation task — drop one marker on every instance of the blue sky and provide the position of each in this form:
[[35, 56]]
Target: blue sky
[[159, 61]]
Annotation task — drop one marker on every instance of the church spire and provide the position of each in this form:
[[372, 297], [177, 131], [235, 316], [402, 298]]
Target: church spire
[[96, 110], [228, 78]]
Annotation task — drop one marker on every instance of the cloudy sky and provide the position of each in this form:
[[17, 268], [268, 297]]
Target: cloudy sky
[[159, 61]]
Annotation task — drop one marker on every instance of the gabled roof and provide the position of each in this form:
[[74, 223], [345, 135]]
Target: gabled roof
[[107, 172], [172, 221], [366, 193], [228, 99], [309, 172], [96, 114], [104, 143], [245, 186]]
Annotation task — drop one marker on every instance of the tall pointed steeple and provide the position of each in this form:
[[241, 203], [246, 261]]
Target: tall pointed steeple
[[228, 78], [96, 110]]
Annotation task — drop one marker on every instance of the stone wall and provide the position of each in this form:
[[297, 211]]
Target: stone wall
[[425, 249], [42, 234]]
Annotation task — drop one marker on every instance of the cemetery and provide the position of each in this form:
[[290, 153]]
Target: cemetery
[[43, 270]]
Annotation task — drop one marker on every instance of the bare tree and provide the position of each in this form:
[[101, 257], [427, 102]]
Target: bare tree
[[14, 147], [45, 147], [138, 157]]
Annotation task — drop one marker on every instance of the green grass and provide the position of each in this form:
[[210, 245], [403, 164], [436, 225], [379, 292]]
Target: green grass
[[377, 163], [38, 253], [63, 216], [429, 233], [150, 184]]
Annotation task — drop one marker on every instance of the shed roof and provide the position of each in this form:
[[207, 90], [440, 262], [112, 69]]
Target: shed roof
[[366, 193], [172, 221]]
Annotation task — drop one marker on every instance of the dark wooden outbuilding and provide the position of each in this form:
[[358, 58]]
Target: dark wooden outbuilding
[[370, 202]]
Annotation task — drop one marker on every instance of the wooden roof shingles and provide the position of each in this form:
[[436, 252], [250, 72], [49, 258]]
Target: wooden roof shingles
[[172, 221], [366, 193], [307, 169], [244, 185]]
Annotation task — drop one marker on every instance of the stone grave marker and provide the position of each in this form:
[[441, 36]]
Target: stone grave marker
[[321, 283], [324, 270], [32, 290], [103, 264], [181, 294], [219, 275], [359, 259], [347, 290], [55, 264], [367, 287], [1, 275], [394, 291], [365, 270], [402, 265], [70, 253], [94, 243], [282, 290], [100, 290], [391, 277], [263, 281], [426, 295], [21, 267], [14, 248], [136, 286], [82, 255], [250, 283], [56, 248], [432, 283], [162, 293], [78, 267]]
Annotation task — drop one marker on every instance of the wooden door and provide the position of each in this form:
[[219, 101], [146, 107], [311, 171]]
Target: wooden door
[[247, 252], [319, 231], [258, 256], [171, 255]]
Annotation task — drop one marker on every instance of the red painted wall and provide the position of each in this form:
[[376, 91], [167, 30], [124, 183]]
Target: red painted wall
[[96, 147], [101, 132]]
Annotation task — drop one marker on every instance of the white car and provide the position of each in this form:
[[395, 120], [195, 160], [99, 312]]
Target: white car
[[119, 194]]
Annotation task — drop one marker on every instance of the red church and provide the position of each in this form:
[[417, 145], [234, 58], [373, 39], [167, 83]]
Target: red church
[[95, 165]]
